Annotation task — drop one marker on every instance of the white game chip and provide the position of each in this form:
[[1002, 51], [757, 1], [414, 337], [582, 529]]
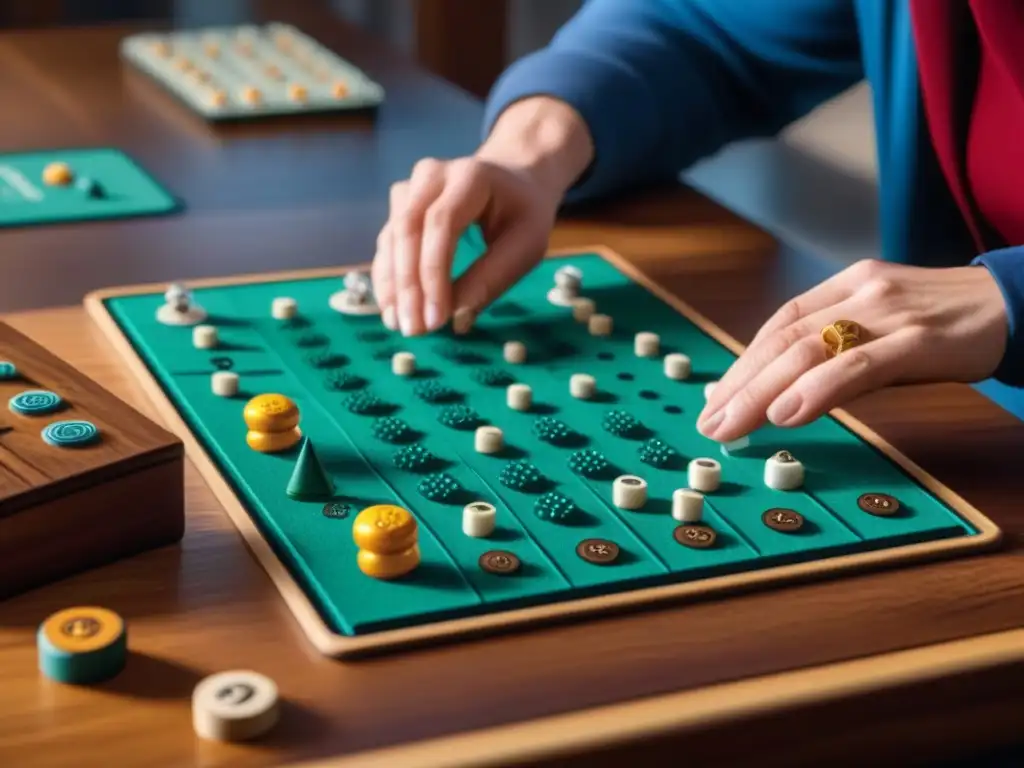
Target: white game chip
[[234, 706]]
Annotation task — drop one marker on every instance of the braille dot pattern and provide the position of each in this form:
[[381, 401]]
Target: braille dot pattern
[[460, 417], [492, 377], [658, 453], [440, 487], [554, 507], [621, 424], [391, 429], [365, 404], [554, 431], [436, 392], [343, 381], [415, 458], [521, 476], [589, 463]]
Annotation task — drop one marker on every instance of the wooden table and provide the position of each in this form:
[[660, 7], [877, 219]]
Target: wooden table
[[917, 663]]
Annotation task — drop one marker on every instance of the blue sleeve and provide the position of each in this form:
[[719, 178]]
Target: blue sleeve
[[1006, 265], [663, 83]]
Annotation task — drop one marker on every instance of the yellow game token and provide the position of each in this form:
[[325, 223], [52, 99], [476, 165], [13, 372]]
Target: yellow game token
[[272, 442], [82, 645], [58, 175], [297, 92], [388, 566], [385, 529], [271, 413]]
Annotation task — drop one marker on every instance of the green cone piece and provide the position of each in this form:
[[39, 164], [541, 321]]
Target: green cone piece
[[309, 478]]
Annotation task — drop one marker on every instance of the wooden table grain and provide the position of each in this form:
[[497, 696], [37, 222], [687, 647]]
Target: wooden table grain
[[946, 637]]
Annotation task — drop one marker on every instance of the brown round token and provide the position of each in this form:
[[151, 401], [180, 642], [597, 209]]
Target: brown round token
[[499, 562], [880, 504], [783, 520], [598, 551], [695, 536]]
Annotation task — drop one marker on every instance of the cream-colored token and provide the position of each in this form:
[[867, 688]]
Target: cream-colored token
[[479, 519], [687, 505], [783, 472], [583, 309], [582, 386], [224, 383], [403, 364], [519, 397], [234, 706], [514, 352], [629, 492], [251, 95], [647, 344], [600, 325], [58, 175], [462, 321], [204, 337], [169, 315], [339, 90], [677, 366], [488, 439], [704, 475], [284, 308], [568, 281], [298, 92]]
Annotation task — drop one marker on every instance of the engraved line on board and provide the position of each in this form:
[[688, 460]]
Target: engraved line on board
[[20, 182]]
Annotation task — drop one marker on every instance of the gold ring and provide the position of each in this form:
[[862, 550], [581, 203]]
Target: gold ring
[[840, 336]]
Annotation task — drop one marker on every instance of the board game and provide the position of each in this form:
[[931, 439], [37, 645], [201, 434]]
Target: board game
[[63, 185], [539, 466], [248, 72]]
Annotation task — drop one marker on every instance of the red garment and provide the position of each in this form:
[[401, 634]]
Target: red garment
[[973, 92]]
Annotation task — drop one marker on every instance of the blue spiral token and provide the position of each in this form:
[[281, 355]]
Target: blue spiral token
[[8, 370], [35, 402], [68, 434]]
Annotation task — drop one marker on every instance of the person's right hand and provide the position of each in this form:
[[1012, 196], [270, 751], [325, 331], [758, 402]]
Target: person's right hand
[[511, 187]]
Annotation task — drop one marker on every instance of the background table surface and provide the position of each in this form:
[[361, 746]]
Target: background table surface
[[309, 193]]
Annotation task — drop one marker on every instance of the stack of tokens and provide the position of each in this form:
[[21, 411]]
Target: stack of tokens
[[388, 541], [82, 645], [273, 422], [234, 706]]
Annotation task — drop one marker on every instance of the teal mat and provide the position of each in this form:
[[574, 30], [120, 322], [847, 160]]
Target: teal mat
[[271, 356], [128, 190]]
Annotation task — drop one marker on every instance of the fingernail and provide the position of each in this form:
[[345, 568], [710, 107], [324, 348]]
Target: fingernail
[[709, 427], [784, 409], [433, 317], [405, 320], [390, 321]]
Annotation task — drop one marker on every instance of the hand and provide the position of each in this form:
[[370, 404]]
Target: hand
[[511, 187], [917, 325]]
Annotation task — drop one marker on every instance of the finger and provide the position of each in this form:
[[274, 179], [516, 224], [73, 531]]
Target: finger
[[836, 289], [760, 355], [513, 253], [424, 186], [463, 199], [854, 372], [381, 275], [747, 410]]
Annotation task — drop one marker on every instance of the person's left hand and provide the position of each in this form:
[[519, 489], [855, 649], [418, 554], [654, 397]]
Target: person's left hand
[[917, 325]]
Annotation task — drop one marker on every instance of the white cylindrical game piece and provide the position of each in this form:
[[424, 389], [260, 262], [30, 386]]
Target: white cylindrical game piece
[[629, 492], [403, 364], [204, 337], [519, 397], [224, 383], [284, 308], [488, 439], [478, 519], [647, 344], [709, 388], [600, 325], [783, 472], [677, 366], [687, 505], [515, 352], [704, 475], [569, 280], [583, 309], [234, 706], [582, 386]]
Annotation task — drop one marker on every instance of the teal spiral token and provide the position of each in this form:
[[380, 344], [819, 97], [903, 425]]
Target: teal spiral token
[[70, 434], [35, 402], [8, 370]]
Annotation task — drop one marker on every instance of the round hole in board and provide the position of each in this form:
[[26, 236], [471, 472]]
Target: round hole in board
[[626, 376], [630, 481], [673, 409], [482, 507], [705, 463], [648, 394], [605, 356]]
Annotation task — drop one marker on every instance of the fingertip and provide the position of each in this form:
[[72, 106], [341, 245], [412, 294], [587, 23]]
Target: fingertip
[[389, 317]]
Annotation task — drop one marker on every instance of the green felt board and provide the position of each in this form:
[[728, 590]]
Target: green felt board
[[129, 190], [271, 356]]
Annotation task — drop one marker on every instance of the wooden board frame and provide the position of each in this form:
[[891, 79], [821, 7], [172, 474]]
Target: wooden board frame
[[330, 643]]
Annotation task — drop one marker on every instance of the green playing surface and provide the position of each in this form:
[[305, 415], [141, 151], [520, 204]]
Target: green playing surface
[[128, 190], [308, 359]]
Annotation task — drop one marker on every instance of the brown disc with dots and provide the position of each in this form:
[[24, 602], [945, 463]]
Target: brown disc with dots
[[783, 520], [879, 504], [695, 536], [499, 562], [598, 551]]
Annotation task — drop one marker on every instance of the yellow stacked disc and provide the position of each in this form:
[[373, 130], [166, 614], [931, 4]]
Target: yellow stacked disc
[[273, 422], [387, 537], [82, 645]]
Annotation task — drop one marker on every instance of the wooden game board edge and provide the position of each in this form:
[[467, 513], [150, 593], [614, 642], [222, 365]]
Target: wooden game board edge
[[648, 718], [332, 644]]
